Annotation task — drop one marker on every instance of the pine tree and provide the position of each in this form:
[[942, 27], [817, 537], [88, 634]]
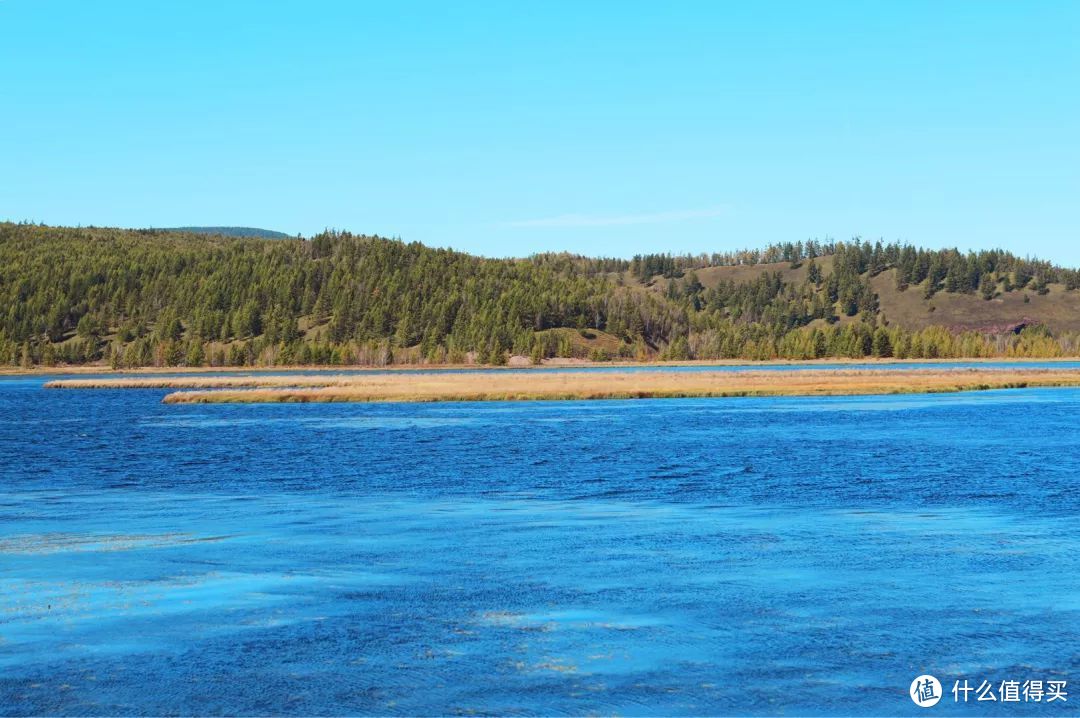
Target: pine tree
[[882, 344]]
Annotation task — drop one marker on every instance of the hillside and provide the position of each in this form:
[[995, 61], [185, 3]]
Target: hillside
[[157, 297], [1058, 309]]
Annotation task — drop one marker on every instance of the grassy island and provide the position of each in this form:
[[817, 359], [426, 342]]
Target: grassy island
[[542, 385]]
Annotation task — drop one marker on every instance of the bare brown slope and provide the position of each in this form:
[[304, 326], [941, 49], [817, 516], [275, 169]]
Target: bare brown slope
[[712, 276], [1059, 309]]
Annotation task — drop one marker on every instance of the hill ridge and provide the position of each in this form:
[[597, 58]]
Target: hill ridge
[[231, 231], [157, 297]]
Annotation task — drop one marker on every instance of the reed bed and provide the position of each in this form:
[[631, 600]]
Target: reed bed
[[628, 385]]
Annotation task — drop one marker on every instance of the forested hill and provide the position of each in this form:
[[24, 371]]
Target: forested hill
[[156, 297]]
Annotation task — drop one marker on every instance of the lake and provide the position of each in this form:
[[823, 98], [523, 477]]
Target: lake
[[705, 556]]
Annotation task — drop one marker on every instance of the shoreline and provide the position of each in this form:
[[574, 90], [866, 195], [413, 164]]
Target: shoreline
[[549, 364]]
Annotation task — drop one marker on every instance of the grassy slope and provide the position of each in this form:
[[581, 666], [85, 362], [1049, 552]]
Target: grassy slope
[[711, 276], [1059, 310]]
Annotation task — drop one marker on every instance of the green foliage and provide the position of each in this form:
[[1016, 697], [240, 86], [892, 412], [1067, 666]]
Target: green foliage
[[882, 346], [144, 297]]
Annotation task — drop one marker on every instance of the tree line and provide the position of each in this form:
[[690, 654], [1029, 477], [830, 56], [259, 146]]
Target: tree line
[[158, 297]]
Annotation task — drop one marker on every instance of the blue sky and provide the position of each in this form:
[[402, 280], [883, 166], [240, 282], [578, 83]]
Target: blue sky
[[513, 127]]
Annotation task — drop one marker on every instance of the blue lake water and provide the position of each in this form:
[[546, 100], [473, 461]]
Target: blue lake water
[[716, 556]]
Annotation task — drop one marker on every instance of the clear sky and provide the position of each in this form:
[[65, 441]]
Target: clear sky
[[505, 128]]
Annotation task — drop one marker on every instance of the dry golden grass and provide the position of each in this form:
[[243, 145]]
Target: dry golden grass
[[583, 385]]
